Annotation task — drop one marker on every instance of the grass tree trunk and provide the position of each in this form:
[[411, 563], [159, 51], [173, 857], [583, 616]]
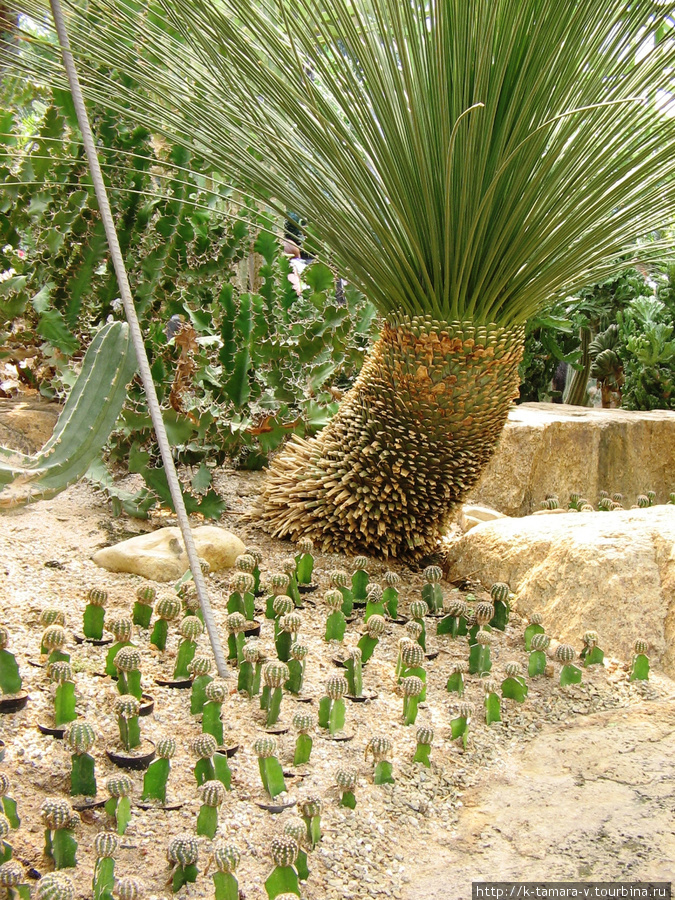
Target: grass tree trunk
[[410, 438]]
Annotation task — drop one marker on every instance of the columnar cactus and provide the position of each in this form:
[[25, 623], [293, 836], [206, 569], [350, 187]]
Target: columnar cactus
[[213, 797], [191, 629], [118, 805], [157, 773], [128, 662], [288, 565], [332, 706], [390, 596], [199, 670], [360, 578], [13, 880], [432, 592], [296, 667], [303, 723], [493, 705], [537, 661], [424, 737], [354, 672], [380, 747], [126, 708], [94, 613], [80, 738], [501, 598], [279, 583], [304, 561], [284, 877], [257, 556], [569, 674], [121, 630], [60, 823], [335, 621], [346, 779], [274, 675], [10, 680], [55, 886], [242, 596], [54, 640], [480, 662], [142, 612], [310, 809], [271, 773], [341, 581], [226, 858], [591, 655], [8, 803], [375, 628], [167, 609], [236, 626], [514, 685], [183, 854], [639, 667], [6, 849], [412, 688], [106, 846], [459, 725], [214, 695], [250, 669], [286, 631], [534, 627], [455, 682], [211, 764], [61, 674], [374, 600]]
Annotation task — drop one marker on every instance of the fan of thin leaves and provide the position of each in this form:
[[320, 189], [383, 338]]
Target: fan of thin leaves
[[467, 160]]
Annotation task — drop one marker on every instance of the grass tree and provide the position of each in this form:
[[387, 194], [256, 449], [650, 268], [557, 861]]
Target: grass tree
[[462, 164]]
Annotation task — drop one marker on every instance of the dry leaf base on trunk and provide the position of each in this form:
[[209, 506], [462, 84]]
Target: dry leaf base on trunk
[[410, 438]]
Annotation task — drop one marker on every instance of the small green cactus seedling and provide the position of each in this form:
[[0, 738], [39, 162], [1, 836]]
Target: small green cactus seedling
[[118, 805], [454, 622], [242, 597], [199, 670], [213, 797], [412, 659], [157, 773], [250, 669], [50, 615], [418, 610], [245, 563], [10, 680], [55, 886], [274, 676], [551, 502], [279, 583], [128, 662], [121, 630], [354, 672], [286, 630], [296, 667], [332, 706], [310, 810], [257, 556], [480, 662], [271, 773], [13, 880], [455, 683], [341, 581], [6, 849], [211, 764], [411, 687], [214, 694], [390, 596], [80, 738], [8, 803], [534, 627], [236, 626], [128, 888], [226, 859], [459, 725], [167, 609], [304, 561], [403, 642], [651, 496], [537, 661], [432, 592], [639, 667], [514, 685], [60, 823], [501, 598], [61, 674], [283, 606], [569, 674], [483, 613], [126, 708], [297, 829], [183, 854], [424, 737], [345, 779], [304, 723], [191, 629], [94, 613], [493, 704], [380, 747], [591, 655], [606, 504], [335, 621], [142, 612], [284, 876], [574, 501], [375, 628], [54, 640], [360, 578], [106, 846], [374, 600], [288, 565], [671, 499]]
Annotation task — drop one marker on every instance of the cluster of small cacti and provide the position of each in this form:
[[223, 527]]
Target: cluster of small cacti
[[606, 502]]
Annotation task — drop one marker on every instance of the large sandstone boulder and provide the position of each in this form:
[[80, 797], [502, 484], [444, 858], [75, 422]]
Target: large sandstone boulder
[[613, 572], [550, 448]]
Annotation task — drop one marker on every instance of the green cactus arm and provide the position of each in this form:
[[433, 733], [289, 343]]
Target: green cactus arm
[[83, 427]]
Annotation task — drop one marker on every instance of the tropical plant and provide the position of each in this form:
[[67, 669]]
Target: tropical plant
[[464, 164]]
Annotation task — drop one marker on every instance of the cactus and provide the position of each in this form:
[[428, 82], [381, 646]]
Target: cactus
[[492, 702], [459, 726], [360, 578], [126, 708], [213, 796], [304, 723], [418, 610], [424, 737], [411, 660], [242, 599], [128, 888], [106, 845], [296, 667], [534, 627], [121, 630], [167, 609], [651, 496], [94, 614], [639, 667], [374, 601], [142, 612], [454, 622], [236, 626], [199, 670], [271, 773], [514, 685], [537, 661], [8, 803], [80, 738], [390, 596], [286, 629], [340, 580], [279, 583], [284, 877], [380, 747], [310, 810], [569, 674], [332, 706], [10, 680], [191, 628], [250, 669], [127, 662], [480, 662], [61, 674], [412, 687], [88, 417], [157, 773], [432, 592], [183, 854], [50, 615], [257, 556], [274, 675], [226, 859], [297, 829], [288, 565], [215, 694], [501, 598], [354, 672], [455, 682], [118, 805], [335, 621], [591, 655], [13, 881], [211, 764], [345, 779], [54, 640], [60, 823], [6, 849], [304, 561], [671, 498], [55, 886], [375, 628]]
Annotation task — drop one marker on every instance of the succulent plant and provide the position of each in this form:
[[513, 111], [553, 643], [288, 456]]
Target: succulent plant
[[569, 674], [375, 628], [455, 682], [534, 627], [537, 661], [332, 705], [354, 672], [606, 504], [346, 779], [418, 610], [274, 676], [480, 662], [341, 581], [432, 592], [60, 822], [304, 561], [13, 881], [296, 828], [80, 737], [167, 609], [286, 628], [310, 809], [492, 702], [157, 773], [671, 498], [424, 737], [10, 679], [215, 693], [128, 662], [106, 846], [213, 797], [250, 669], [651, 496], [591, 654], [145, 599], [118, 805], [271, 773], [454, 622], [257, 555], [54, 640], [237, 624], [121, 629], [8, 803], [126, 708], [226, 858], [183, 854], [390, 596], [284, 877], [191, 629], [279, 582], [55, 886], [94, 613], [50, 615], [380, 747], [514, 685], [211, 765], [303, 723], [128, 888], [335, 621], [6, 849], [501, 598], [374, 600], [459, 725], [411, 687], [61, 674], [360, 578], [199, 669], [639, 667], [483, 613], [296, 667], [242, 594]]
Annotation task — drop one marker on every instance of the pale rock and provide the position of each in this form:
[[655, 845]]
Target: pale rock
[[473, 514], [160, 555], [613, 572]]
